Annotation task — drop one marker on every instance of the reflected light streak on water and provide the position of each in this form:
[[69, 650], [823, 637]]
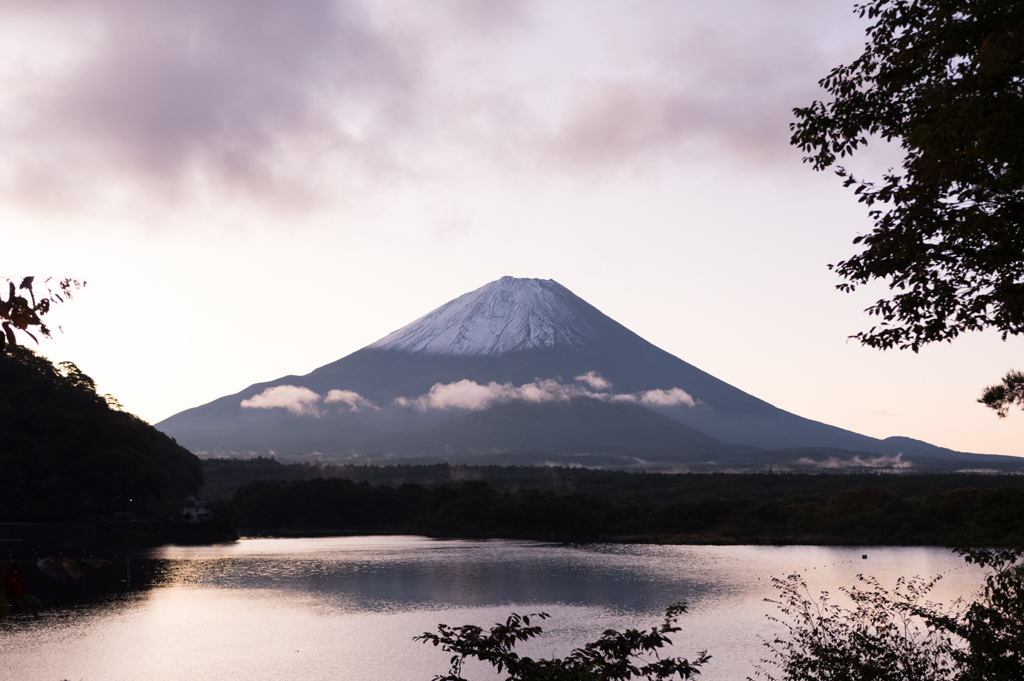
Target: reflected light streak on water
[[347, 608]]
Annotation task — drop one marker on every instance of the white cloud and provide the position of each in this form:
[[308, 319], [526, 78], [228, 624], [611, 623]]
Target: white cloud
[[296, 399], [464, 394], [303, 401], [594, 380], [467, 394], [831, 462], [354, 400], [548, 390], [667, 398]]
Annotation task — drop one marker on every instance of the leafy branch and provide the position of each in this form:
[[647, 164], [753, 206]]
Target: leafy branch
[[26, 305], [615, 656]]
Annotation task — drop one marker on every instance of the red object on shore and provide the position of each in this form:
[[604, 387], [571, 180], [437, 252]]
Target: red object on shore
[[14, 581]]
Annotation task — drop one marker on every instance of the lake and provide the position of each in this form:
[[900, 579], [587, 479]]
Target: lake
[[348, 607]]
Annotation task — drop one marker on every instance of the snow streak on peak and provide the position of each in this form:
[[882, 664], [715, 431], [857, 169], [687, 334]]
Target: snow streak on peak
[[506, 315]]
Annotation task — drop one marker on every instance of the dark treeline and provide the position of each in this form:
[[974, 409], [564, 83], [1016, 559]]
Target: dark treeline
[[225, 476], [808, 513]]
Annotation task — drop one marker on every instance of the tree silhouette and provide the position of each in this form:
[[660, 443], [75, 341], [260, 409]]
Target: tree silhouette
[[946, 80]]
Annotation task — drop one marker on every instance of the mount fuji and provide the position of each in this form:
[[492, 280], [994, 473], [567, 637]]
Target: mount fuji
[[524, 371]]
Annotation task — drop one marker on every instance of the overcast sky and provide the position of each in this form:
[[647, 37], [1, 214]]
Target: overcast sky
[[254, 188]]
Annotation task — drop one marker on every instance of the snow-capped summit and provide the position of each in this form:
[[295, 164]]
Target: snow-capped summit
[[503, 316]]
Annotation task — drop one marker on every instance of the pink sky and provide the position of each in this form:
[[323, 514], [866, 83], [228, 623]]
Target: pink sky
[[257, 188]]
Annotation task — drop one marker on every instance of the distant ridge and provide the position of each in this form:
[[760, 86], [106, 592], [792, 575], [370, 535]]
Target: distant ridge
[[458, 373]]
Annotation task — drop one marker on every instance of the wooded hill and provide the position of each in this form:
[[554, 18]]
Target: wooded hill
[[67, 454]]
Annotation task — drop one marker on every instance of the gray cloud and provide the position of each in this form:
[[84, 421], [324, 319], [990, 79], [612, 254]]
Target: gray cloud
[[708, 82], [297, 103], [253, 96]]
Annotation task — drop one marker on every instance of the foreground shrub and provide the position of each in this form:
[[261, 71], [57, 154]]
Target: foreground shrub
[[900, 635], [631, 654]]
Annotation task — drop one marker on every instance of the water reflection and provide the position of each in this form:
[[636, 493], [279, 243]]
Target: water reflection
[[414, 572], [348, 607], [92, 581]]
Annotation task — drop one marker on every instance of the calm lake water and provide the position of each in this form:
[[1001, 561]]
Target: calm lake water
[[347, 608]]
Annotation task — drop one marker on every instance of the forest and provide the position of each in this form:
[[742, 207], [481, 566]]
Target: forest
[[581, 505], [69, 455]]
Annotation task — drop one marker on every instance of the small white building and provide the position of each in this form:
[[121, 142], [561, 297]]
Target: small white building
[[195, 511]]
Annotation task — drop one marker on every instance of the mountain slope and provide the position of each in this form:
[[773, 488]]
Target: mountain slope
[[580, 426]]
